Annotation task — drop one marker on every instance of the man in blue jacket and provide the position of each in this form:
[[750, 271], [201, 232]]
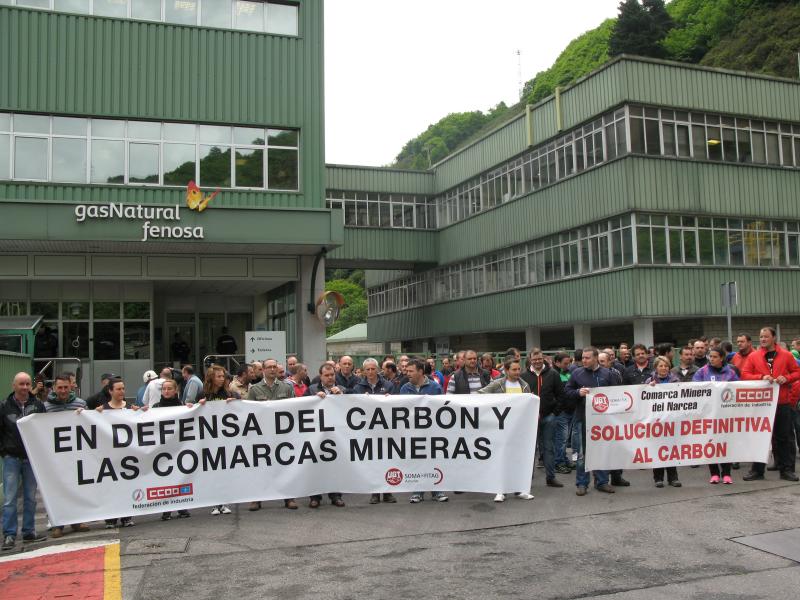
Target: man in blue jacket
[[419, 383], [583, 380]]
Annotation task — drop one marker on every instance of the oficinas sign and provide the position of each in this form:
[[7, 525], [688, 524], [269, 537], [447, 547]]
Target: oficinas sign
[[152, 216]]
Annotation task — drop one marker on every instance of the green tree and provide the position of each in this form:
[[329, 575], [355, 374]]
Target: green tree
[[355, 307], [640, 29]]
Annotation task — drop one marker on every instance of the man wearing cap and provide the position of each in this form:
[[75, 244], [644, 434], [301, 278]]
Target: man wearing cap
[[152, 393], [147, 377], [104, 395]]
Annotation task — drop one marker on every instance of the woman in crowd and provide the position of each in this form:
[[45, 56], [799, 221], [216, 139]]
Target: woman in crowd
[[487, 364], [116, 388], [169, 398], [717, 370], [662, 373], [217, 387]]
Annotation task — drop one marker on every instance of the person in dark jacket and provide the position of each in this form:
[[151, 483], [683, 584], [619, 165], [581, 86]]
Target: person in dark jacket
[[545, 383], [374, 383], [16, 467], [171, 398], [345, 378], [583, 380], [326, 386], [640, 371], [686, 368], [663, 374], [470, 378], [62, 399], [104, 395]]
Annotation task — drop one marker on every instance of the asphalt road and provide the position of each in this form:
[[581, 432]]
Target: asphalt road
[[641, 542]]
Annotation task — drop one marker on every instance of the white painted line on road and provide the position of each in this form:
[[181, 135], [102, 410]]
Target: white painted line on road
[[58, 549]]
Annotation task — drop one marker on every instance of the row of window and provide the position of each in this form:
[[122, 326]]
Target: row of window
[[643, 239], [596, 247], [630, 129], [370, 209], [103, 151], [247, 15], [703, 136], [582, 148]]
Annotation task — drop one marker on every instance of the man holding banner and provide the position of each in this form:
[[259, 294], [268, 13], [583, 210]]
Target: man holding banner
[[774, 364], [584, 379]]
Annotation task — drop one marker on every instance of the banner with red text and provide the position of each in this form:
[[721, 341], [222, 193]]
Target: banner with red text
[[120, 463], [678, 424]]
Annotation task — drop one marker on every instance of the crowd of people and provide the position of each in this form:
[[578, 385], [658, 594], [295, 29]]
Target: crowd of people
[[561, 381]]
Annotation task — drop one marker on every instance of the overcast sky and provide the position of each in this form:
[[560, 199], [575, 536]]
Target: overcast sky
[[394, 67]]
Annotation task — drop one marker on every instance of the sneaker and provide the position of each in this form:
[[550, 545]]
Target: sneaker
[[523, 496], [659, 484], [415, 498], [675, 483], [605, 488], [554, 483], [581, 490], [111, 525], [166, 517], [32, 538], [375, 499], [753, 476], [620, 481], [389, 498], [184, 514], [254, 506], [225, 510], [714, 479], [8, 542], [57, 532], [128, 522], [500, 498], [441, 498], [290, 504], [215, 511], [81, 527], [789, 476], [727, 479], [563, 469]]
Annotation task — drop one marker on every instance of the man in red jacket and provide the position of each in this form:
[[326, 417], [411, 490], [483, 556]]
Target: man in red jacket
[[776, 365]]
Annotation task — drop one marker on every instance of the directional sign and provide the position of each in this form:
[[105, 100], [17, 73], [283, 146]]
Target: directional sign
[[261, 345]]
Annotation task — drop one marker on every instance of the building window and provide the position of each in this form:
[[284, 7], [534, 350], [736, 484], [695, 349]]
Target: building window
[[280, 17], [59, 149]]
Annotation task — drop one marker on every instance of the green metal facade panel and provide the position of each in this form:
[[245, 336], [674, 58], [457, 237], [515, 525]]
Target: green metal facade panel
[[686, 86], [386, 245], [615, 296], [495, 148], [630, 183], [58, 222], [375, 277], [369, 179], [633, 80], [93, 66]]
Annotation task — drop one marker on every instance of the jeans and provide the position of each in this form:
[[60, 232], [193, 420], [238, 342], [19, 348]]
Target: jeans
[[546, 437], [581, 476], [563, 421], [15, 469]]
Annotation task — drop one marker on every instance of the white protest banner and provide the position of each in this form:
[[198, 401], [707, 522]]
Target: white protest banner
[[123, 463], [678, 424]]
